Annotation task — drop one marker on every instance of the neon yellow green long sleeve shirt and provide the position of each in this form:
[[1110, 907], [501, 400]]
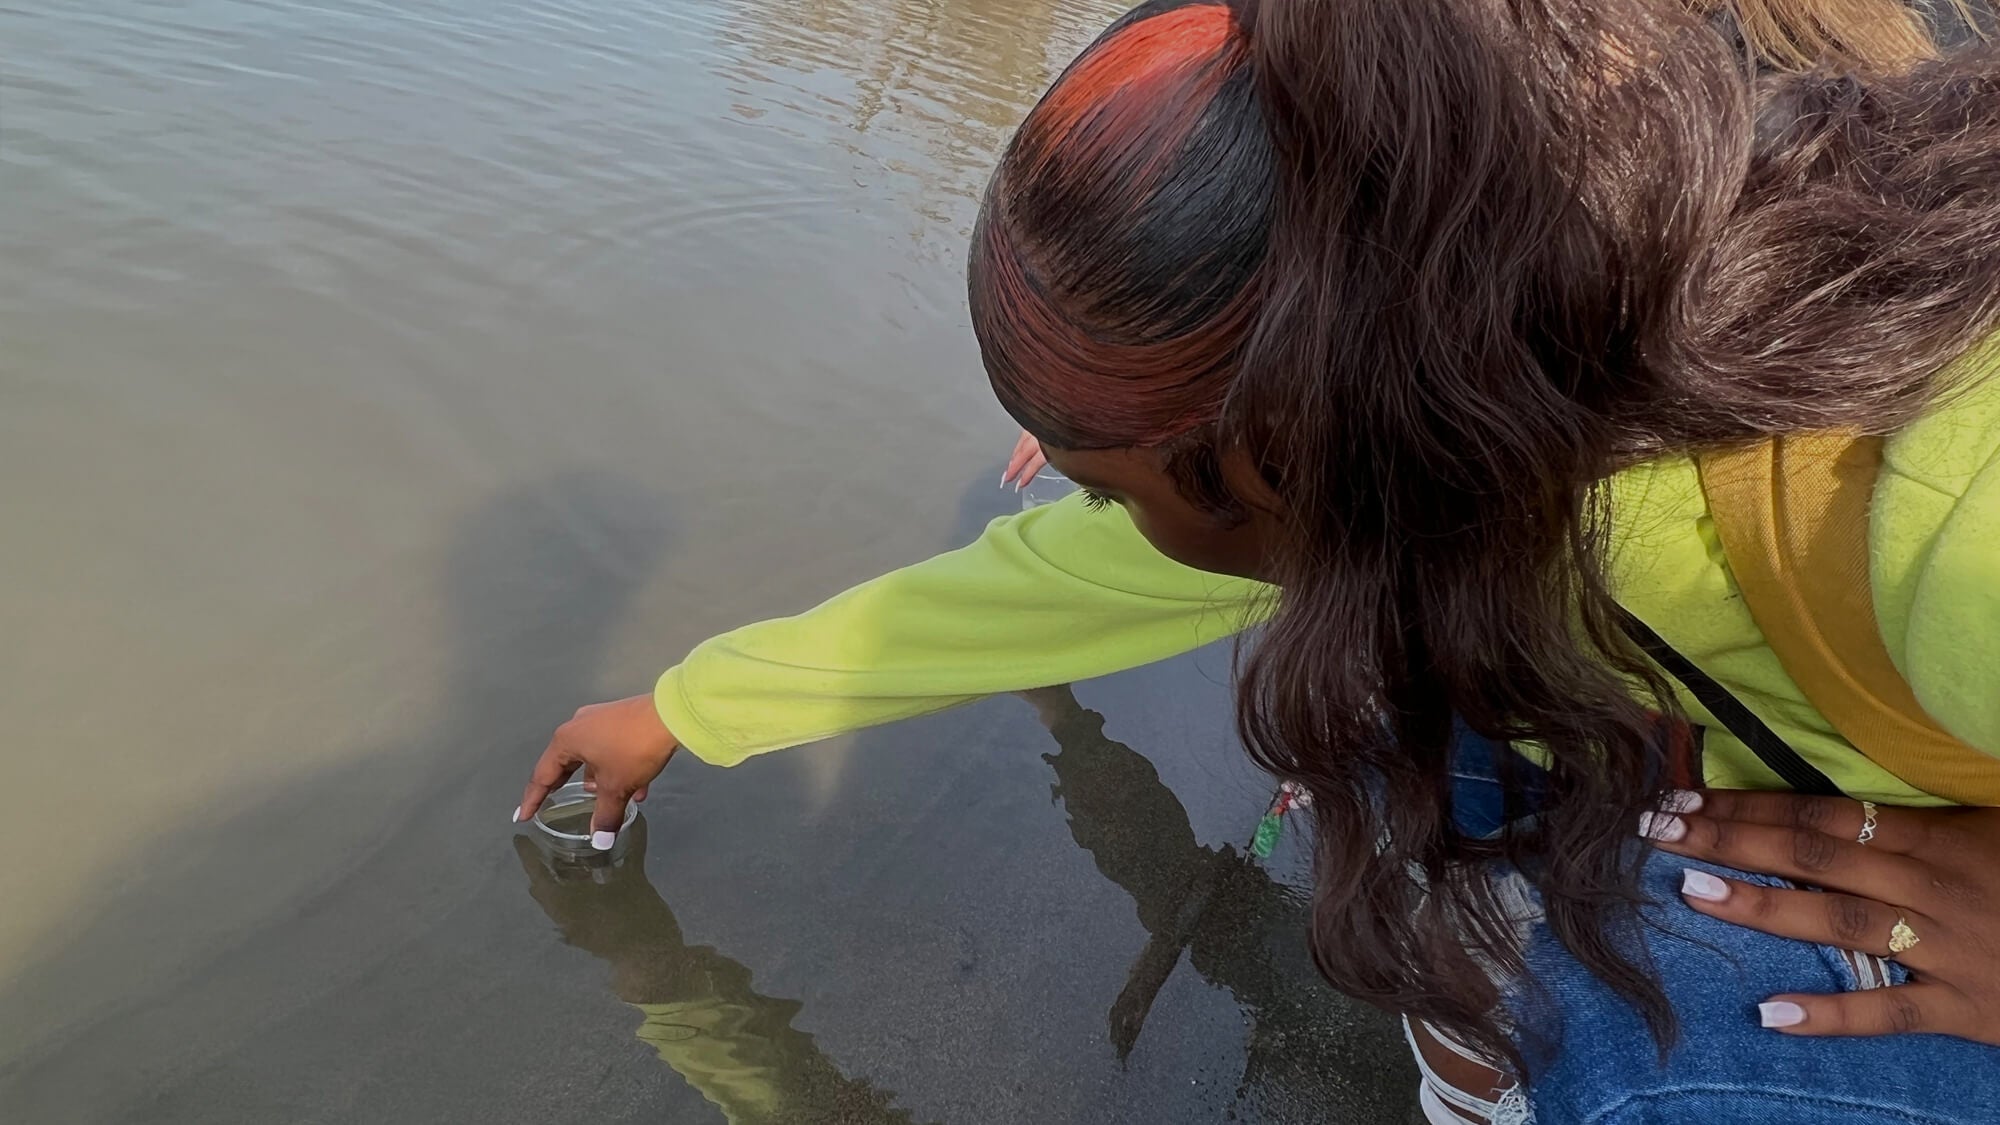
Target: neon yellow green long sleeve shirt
[[1062, 593]]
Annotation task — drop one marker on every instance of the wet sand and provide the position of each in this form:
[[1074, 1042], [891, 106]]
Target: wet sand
[[382, 382]]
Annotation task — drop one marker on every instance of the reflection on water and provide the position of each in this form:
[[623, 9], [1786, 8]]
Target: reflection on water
[[700, 1010], [952, 75], [1240, 928], [355, 355]]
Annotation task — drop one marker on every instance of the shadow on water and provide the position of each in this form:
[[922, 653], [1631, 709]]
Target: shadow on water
[[281, 900]]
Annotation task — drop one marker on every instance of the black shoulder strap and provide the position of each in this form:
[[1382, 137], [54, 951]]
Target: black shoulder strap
[[1764, 742]]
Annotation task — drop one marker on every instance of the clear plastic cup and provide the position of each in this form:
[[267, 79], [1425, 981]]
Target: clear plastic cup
[[1048, 487], [564, 819]]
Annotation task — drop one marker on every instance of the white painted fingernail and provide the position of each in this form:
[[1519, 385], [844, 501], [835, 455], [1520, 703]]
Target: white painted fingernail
[[1681, 801], [1780, 1013], [517, 814], [1664, 827], [1702, 885], [602, 841]]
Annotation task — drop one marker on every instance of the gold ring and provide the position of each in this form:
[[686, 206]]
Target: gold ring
[[1867, 823], [1901, 936]]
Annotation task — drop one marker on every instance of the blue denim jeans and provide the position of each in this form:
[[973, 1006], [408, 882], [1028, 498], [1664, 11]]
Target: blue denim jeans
[[1603, 1068]]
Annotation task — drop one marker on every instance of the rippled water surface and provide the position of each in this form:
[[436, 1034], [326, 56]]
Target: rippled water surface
[[382, 381]]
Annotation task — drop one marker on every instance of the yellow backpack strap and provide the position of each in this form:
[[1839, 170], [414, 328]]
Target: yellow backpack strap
[[1792, 514]]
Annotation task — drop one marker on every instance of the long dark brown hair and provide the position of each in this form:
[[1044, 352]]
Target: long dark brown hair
[[1439, 267]]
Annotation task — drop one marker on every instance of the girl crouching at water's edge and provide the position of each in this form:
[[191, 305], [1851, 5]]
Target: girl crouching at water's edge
[[1425, 335]]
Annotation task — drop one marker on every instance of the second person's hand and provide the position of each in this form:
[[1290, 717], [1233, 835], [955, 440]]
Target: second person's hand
[[624, 746], [1920, 886]]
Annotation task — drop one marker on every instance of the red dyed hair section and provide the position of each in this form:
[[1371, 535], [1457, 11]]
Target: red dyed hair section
[[1136, 60], [1107, 312]]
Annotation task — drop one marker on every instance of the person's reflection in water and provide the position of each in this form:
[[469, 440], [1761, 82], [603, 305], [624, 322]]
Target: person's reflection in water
[[735, 1046], [1243, 930]]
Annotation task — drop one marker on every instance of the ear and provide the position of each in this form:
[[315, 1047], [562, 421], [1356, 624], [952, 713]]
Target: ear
[[1239, 473]]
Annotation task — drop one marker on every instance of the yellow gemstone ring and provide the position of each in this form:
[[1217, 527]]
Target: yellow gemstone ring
[[1901, 936]]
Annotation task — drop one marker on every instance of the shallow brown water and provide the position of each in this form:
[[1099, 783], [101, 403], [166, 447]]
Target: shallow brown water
[[381, 381]]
